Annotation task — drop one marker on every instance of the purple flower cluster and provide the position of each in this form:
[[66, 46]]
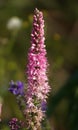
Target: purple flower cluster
[[37, 61], [16, 88], [37, 87], [14, 124]]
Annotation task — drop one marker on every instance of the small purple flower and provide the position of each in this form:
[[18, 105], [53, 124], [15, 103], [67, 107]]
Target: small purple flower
[[44, 106], [16, 88], [13, 124], [16, 124]]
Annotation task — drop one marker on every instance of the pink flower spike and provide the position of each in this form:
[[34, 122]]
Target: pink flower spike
[[37, 87]]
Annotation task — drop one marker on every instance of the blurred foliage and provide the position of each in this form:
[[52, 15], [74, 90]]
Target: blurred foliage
[[61, 32], [67, 98]]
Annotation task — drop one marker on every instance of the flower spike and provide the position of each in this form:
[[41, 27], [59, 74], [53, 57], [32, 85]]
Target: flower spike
[[37, 87]]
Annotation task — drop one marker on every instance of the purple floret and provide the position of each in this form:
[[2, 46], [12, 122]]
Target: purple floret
[[16, 88], [44, 106], [16, 124]]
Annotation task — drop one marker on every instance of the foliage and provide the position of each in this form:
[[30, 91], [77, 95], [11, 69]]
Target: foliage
[[69, 95]]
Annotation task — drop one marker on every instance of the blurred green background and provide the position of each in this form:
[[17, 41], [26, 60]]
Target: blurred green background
[[61, 32]]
